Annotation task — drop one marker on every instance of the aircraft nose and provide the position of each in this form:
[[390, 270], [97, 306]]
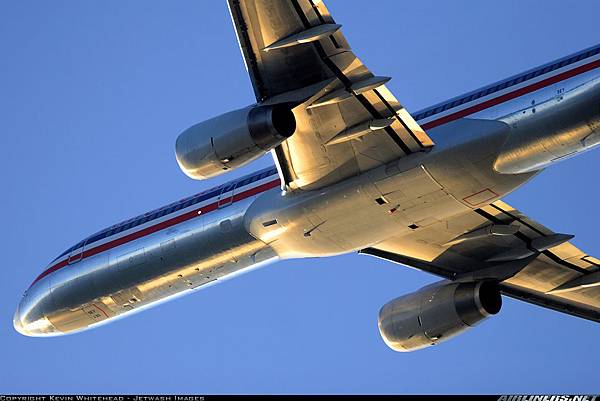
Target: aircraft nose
[[39, 327], [17, 322]]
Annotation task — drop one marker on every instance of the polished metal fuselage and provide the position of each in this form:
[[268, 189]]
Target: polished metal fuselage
[[476, 160]]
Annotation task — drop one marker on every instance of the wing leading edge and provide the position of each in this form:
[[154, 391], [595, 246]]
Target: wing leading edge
[[348, 121]]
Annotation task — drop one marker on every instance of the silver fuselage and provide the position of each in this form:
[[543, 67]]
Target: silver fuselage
[[488, 143]]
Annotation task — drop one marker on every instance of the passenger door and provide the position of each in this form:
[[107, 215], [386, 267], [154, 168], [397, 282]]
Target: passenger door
[[77, 254], [227, 194]]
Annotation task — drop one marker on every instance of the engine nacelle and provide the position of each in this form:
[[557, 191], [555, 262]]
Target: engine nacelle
[[233, 139], [436, 313]]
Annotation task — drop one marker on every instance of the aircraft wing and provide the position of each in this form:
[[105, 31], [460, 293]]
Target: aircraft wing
[[347, 120], [497, 242]]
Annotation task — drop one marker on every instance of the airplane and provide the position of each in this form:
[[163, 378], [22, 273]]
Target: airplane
[[354, 172]]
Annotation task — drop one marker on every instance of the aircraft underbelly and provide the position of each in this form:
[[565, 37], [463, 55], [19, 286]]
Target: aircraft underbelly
[[156, 267], [397, 198], [401, 197], [547, 132]]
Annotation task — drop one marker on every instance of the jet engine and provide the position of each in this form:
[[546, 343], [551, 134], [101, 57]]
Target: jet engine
[[233, 139], [436, 313]]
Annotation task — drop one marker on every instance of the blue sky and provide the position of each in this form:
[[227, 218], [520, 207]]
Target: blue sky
[[92, 97]]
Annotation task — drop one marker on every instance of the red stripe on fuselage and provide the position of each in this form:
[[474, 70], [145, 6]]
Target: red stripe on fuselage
[[243, 195], [160, 226], [512, 95]]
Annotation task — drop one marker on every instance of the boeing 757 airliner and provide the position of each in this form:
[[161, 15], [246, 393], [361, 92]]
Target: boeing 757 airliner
[[354, 172]]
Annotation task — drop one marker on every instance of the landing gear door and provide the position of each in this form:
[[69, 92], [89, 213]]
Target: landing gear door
[[76, 254]]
